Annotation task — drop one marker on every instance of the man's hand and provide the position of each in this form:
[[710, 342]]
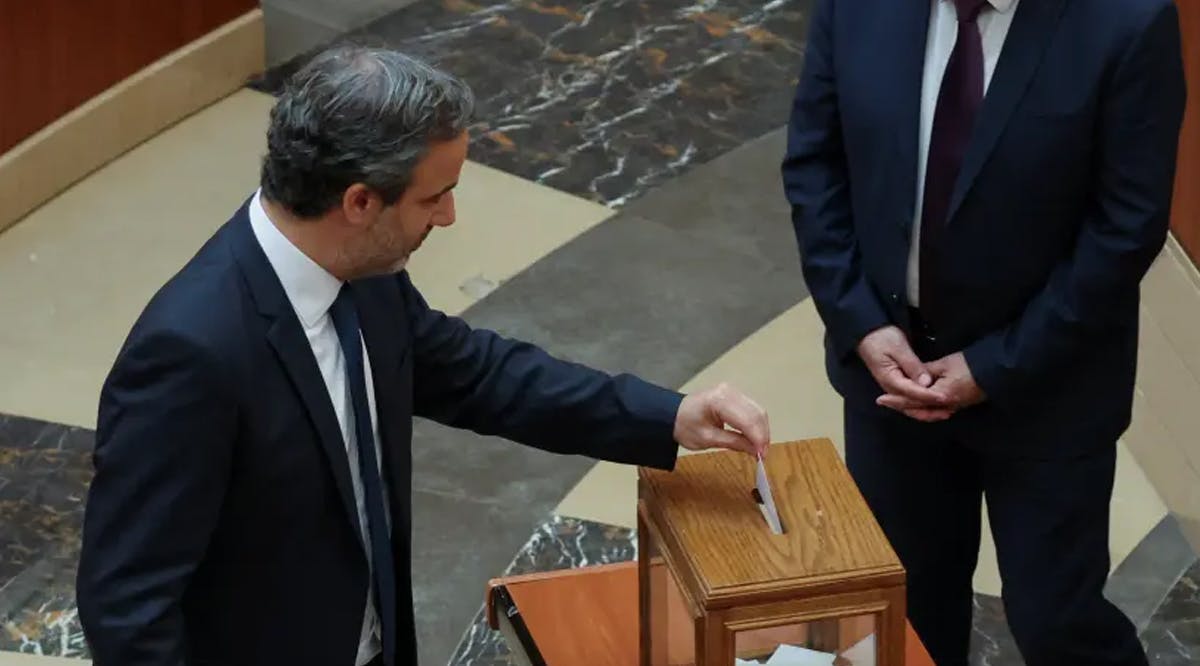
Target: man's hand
[[905, 379], [702, 417], [952, 379], [956, 382]]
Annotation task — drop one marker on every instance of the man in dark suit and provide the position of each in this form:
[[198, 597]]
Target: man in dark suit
[[253, 467], [978, 187]]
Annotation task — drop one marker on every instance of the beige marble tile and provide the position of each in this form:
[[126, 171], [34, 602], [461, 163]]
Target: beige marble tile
[[782, 367], [987, 571], [606, 494], [1172, 392], [15, 659], [1171, 294], [1165, 435], [1136, 506], [504, 224], [1169, 365], [1176, 481], [88, 260]]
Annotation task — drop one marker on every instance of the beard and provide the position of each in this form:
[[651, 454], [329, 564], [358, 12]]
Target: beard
[[399, 264], [384, 263], [377, 253]]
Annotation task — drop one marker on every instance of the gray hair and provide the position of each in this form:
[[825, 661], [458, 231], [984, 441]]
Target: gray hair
[[355, 114]]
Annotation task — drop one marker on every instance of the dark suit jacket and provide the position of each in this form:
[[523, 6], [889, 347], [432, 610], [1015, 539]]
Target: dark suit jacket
[[1060, 207], [220, 526]]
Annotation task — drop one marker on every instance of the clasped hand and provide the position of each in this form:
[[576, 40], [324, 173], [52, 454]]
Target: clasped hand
[[927, 392]]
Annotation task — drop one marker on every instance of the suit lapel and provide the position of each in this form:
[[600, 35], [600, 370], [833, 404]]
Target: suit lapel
[[1032, 27], [287, 338], [908, 59], [291, 345]]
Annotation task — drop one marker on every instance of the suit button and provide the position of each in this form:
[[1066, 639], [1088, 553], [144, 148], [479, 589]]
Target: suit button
[[895, 298]]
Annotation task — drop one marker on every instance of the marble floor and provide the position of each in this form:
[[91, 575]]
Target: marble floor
[[623, 148], [606, 99]]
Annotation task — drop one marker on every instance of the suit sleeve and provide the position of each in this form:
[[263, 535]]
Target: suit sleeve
[[162, 459], [1126, 229], [816, 183], [478, 380]]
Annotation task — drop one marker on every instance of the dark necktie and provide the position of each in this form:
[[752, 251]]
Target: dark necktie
[[958, 103], [345, 320]]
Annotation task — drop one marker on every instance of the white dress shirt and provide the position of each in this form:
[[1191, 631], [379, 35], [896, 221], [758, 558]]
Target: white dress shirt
[[994, 22], [312, 290]]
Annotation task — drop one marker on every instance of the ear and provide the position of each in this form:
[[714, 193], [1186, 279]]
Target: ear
[[361, 204]]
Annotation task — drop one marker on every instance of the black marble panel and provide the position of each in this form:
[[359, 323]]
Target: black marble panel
[[1173, 637], [992, 643], [605, 99], [44, 473]]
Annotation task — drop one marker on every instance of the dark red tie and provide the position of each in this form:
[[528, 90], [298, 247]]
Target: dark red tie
[[957, 105]]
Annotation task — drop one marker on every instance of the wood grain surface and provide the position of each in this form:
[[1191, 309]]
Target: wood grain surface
[[580, 616], [703, 509]]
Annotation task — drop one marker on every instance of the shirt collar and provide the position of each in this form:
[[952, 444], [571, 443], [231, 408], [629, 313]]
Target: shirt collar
[[310, 288]]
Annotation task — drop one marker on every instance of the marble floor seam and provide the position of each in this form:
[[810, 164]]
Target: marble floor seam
[[463, 497]]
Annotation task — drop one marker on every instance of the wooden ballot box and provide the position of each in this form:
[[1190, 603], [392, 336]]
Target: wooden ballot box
[[717, 587]]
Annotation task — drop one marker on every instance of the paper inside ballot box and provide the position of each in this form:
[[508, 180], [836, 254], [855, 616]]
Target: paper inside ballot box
[[706, 509], [861, 654], [798, 644], [789, 655]]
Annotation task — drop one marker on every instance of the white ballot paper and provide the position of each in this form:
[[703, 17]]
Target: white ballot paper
[[790, 655], [768, 501], [863, 652]]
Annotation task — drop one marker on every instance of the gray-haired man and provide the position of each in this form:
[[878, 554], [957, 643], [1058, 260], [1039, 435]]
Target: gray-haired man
[[236, 516]]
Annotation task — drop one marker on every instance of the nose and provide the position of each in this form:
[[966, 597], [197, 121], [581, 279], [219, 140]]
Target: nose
[[446, 216]]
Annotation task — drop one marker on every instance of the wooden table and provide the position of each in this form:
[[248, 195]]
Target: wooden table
[[585, 616]]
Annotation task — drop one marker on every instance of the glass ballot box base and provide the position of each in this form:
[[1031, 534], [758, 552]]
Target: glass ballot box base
[[590, 615]]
